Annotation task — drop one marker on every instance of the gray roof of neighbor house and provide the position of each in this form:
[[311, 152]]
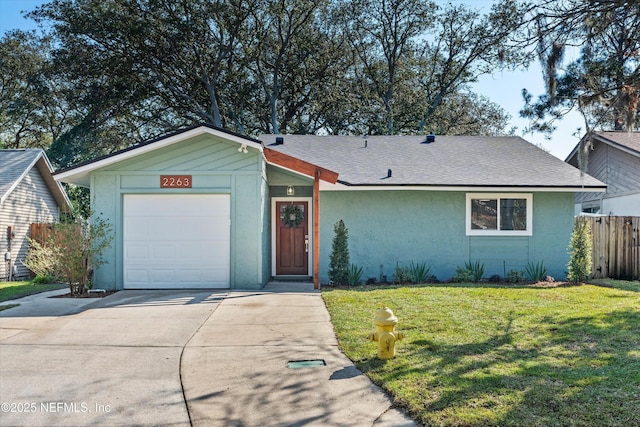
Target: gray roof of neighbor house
[[622, 140], [449, 161], [16, 164]]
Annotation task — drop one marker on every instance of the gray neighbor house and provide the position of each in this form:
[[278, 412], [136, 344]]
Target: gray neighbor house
[[28, 194], [613, 158]]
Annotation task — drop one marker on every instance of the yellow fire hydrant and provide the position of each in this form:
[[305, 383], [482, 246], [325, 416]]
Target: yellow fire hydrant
[[385, 334]]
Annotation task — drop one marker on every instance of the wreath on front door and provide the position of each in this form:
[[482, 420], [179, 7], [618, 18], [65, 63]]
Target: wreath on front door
[[292, 216]]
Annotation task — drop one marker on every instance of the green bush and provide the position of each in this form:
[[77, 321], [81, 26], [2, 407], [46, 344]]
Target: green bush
[[580, 251], [514, 276], [419, 272], [462, 275], [536, 272], [41, 259], [43, 280], [72, 250], [355, 275], [402, 275], [339, 258], [472, 272]]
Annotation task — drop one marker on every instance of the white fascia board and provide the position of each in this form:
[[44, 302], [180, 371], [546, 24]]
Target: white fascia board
[[80, 175], [325, 186]]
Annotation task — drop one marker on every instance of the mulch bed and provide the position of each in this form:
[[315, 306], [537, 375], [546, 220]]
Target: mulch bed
[[87, 295]]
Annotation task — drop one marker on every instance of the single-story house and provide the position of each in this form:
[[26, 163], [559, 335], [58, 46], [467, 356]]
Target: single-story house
[[205, 207], [28, 194], [613, 158]]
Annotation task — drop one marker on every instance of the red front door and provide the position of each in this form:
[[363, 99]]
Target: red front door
[[292, 238]]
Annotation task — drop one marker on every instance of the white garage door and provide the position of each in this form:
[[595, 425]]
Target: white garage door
[[176, 241]]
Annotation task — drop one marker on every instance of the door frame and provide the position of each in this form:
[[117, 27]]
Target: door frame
[[274, 218]]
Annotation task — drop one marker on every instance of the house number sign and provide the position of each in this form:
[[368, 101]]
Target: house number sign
[[175, 181]]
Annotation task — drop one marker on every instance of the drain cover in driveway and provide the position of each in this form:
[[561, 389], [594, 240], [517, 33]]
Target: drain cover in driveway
[[297, 364]]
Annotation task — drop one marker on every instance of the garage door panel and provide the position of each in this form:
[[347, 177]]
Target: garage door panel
[[136, 276], [136, 252], [173, 241]]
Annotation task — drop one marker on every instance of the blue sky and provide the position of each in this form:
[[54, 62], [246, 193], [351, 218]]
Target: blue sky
[[503, 88]]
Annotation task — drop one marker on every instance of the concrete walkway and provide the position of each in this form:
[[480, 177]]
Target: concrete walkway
[[133, 357]]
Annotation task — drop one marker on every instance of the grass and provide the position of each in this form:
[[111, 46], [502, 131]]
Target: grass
[[500, 355], [13, 290]]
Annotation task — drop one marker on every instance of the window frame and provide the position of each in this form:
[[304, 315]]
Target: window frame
[[498, 196]]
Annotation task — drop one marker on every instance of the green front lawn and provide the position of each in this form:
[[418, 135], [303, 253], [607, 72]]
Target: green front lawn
[[13, 290], [482, 355]]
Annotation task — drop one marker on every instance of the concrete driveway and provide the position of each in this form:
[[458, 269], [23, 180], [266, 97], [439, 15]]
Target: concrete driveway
[[182, 358]]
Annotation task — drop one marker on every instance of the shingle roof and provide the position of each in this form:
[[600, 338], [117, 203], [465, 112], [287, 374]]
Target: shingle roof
[[630, 140], [14, 166], [449, 161]]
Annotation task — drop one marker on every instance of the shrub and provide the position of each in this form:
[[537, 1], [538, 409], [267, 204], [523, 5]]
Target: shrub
[[41, 259], [536, 272], [476, 269], [514, 276], [472, 272], [339, 258], [462, 275], [432, 279], [402, 274], [419, 272], [355, 275], [43, 280], [495, 278], [70, 252], [580, 251]]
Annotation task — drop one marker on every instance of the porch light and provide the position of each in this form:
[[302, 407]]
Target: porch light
[[290, 190], [243, 149]]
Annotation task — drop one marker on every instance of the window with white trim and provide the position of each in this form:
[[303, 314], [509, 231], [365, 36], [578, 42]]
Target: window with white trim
[[499, 214]]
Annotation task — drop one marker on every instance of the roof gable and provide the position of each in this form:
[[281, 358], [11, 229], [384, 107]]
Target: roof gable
[[628, 142], [16, 164], [79, 174], [449, 161]]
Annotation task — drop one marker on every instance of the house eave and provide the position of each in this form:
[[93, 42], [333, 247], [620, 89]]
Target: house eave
[[344, 186], [299, 166]]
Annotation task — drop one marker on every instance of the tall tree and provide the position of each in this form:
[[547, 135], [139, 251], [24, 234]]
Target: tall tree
[[603, 83], [296, 53], [413, 54], [129, 70], [383, 35], [463, 46], [30, 116]]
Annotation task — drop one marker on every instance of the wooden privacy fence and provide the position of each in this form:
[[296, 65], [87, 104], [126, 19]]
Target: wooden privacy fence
[[616, 246], [39, 232]]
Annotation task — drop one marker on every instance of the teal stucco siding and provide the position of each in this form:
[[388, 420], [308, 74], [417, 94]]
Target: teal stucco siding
[[389, 228], [216, 167]]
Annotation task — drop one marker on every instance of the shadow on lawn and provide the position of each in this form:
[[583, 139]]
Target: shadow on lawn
[[580, 371]]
